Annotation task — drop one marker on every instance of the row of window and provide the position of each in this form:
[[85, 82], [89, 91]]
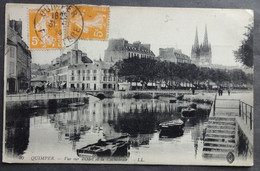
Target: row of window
[[93, 78], [183, 61], [83, 85], [83, 78], [87, 86], [63, 78], [138, 55], [109, 79], [83, 71], [61, 70]]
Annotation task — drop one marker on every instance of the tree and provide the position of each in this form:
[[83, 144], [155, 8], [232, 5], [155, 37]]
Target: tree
[[129, 69], [238, 77], [203, 76], [159, 72], [146, 70], [244, 54]]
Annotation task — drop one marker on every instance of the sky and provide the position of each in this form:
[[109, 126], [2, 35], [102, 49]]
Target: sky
[[160, 27]]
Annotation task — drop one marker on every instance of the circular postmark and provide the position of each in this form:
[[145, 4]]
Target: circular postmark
[[230, 157], [58, 26]]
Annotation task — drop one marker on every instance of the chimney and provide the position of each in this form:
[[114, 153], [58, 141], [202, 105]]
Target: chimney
[[17, 26], [76, 45]]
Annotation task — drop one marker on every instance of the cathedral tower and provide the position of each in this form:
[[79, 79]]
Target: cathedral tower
[[195, 51], [201, 54]]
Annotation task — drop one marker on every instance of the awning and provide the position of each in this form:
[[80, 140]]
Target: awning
[[62, 84]]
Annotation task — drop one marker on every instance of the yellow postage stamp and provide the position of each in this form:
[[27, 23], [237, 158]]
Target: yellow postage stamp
[[59, 26], [95, 23], [45, 29]]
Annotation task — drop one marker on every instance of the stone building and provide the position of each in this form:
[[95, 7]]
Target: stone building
[[58, 72], [173, 55], [76, 71], [201, 54], [93, 76], [119, 49], [18, 59]]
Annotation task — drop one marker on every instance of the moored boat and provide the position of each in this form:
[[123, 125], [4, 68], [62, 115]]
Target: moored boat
[[173, 100], [172, 126], [165, 134], [193, 105], [188, 112], [113, 147]]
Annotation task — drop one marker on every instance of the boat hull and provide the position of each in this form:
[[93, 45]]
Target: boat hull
[[114, 147], [171, 133], [173, 101], [188, 113], [172, 128]]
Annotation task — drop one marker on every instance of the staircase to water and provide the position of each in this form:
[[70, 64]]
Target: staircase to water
[[220, 137]]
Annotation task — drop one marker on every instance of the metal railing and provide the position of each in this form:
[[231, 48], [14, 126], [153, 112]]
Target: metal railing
[[245, 110], [47, 95], [246, 113], [214, 104]]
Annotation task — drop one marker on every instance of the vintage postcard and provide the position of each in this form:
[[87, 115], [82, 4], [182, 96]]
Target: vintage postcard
[[91, 84]]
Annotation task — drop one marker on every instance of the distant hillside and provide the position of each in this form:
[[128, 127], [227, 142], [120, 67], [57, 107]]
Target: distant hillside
[[37, 69]]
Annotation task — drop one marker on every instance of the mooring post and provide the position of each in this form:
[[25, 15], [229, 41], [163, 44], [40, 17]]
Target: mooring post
[[242, 110], [246, 113], [214, 105], [239, 107], [251, 120]]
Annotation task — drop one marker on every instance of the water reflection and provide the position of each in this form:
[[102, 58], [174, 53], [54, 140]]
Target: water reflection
[[17, 133], [77, 127]]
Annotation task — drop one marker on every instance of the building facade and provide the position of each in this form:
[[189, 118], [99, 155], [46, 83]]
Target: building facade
[[119, 49], [57, 74], [94, 76], [75, 70], [201, 54], [18, 59], [173, 55]]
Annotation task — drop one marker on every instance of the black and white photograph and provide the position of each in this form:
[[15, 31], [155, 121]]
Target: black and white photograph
[[88, 84]]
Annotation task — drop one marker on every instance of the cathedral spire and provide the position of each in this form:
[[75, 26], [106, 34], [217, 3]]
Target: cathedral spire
[[196, 42], [205, 43]]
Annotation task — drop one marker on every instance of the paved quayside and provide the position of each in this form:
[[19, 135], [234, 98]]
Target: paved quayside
[[228, 114]]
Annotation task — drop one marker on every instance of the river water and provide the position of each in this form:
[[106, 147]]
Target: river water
[[59, 132]]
